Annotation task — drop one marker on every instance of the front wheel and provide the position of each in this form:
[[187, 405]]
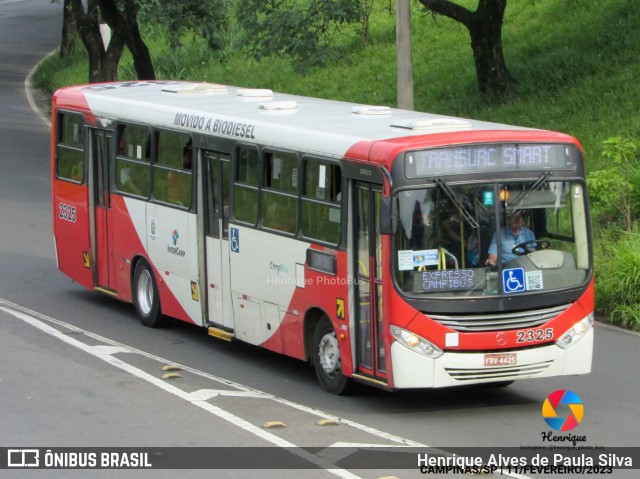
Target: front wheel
[[146, 298], [326, 358]]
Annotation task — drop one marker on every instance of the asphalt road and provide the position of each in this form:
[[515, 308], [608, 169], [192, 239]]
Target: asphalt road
[[78, 369]]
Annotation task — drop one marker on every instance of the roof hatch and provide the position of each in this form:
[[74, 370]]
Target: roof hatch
[[434, 125], [254, 92], [370, 110], [194, 88], [278, 105]]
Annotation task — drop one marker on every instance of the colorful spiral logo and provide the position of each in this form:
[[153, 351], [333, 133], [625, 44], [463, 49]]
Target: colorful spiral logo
[[562, 397]]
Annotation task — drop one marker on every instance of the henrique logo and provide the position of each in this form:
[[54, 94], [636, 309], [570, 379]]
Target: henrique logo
[[563, 410]]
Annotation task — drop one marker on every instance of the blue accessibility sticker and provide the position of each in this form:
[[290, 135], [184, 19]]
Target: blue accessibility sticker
[[235, 240], [513, 280]]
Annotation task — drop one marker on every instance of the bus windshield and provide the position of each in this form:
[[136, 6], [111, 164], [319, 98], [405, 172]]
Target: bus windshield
[[491, 239]]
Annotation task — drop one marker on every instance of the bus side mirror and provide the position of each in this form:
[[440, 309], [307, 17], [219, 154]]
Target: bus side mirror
[[387, 219]]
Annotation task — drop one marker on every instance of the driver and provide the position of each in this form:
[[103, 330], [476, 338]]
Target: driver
[[514, 234]]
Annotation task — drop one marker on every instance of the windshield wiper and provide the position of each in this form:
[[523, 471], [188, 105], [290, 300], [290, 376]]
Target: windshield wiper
[[452, 196], [539, 183]]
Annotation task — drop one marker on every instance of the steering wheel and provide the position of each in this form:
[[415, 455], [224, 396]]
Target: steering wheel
[[530, 246]]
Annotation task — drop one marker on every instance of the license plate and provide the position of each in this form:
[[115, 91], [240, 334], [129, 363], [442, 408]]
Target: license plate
[[500, 359]]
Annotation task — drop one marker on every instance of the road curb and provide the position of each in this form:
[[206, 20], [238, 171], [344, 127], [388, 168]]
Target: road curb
[[38, 101]]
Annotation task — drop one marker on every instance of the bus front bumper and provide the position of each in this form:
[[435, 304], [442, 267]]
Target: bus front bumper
[[413, 370]]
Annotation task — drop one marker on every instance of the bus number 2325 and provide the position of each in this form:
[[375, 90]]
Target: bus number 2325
[[532, 335], [67, 212]]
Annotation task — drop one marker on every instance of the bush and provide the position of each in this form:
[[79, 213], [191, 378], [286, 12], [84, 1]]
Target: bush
[[618, 278], [616, 188], [615, 195]]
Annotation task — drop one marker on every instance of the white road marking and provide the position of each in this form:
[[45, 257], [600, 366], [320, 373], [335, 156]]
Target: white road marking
[[159, 383], [226, 382], [206, 394], [199, 398], [112, 349]]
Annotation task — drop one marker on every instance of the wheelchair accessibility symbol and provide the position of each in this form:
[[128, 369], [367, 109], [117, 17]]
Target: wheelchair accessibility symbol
[[513, 280], [235, 240]]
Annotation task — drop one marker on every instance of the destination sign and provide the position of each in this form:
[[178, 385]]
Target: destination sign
[[490, 158], [448, 280]]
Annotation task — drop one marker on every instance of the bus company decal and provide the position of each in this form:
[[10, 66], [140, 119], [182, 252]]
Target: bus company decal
[[215, 125], [279, 268], [153, 229], [173, 247]]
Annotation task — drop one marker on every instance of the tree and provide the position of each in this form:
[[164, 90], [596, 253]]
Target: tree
[[485, 30], [203, 18], [304, 30], [103, 63], [69, 30], [122, 18]]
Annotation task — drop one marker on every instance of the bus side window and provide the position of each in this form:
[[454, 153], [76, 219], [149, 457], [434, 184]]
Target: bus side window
[[69, 148], [321, 201], [226, 168], [218, 188], [245, 185], [280, 192], [133, 166], [172, 174]]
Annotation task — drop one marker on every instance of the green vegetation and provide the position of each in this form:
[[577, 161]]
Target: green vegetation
[[575, 69], [615, 189], [615, 196], [618, 278]]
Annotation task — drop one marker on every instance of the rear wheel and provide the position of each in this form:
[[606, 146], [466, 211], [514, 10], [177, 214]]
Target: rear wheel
[[326, 358], [146, 298]]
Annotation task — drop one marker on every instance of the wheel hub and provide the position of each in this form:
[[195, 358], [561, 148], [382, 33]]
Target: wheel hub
[[329, 353], [145, 292]]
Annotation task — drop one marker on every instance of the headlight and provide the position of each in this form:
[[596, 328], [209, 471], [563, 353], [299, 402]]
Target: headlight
[[576, 332], [416, 343]]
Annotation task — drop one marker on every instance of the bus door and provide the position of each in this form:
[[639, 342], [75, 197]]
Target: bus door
[[219, 304], [370, 353], [100, 194]]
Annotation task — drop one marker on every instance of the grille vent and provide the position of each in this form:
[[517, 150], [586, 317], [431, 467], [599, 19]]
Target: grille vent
[[499, 321], [499, 373]]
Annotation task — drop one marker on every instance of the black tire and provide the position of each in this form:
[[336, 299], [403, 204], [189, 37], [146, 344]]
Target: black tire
[[326, 358], [146, 298]]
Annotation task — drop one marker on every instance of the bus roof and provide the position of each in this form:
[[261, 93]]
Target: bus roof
[[287, 121]]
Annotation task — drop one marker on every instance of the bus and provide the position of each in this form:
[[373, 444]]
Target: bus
[[374, 243]]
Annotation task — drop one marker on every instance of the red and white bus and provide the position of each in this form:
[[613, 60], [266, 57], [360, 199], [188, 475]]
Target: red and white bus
[[395, 248]]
